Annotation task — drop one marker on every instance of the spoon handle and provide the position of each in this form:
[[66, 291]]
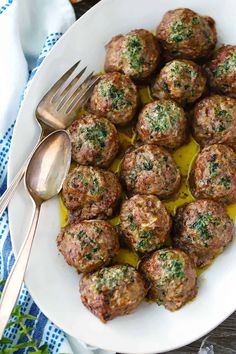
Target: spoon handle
[[7, 195], [16, 277]]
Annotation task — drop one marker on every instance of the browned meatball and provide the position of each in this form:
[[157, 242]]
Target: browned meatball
[[214, 121], [136, 54], [172, 277], [91, 192], [181, 80], [185, 34], [115, 97], [113, 291], [164, 123], [150, 169], [94, 141], [202, 229], [145, 222], [221, 70], [88, 245], [213, 175]]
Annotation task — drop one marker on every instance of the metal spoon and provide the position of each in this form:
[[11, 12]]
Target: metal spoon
[[44, 177]]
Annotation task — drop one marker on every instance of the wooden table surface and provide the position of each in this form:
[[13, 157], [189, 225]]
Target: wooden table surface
[[223, 338]]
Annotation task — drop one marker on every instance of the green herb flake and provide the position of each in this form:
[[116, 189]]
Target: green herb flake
[[195, 20], [111, 278], [116, 95], [162, 256], [165, 86], [95, 189], [96, 134], [148, 165], [133, 52], [132, 225], [228, 66], [226, 182], [162, 118], [175, 269], [88, 256], [202, 223], [213, 168], [180, 31]]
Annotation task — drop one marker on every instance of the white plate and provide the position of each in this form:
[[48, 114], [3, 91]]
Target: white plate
[[54, 285]]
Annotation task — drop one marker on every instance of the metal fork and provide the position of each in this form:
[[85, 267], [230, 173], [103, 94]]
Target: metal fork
[[57, 110]]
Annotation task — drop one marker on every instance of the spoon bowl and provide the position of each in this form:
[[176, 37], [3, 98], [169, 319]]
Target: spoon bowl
[[49, 166]]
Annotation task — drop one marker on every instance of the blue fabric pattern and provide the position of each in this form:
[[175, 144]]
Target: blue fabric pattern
[[44, 330], [5, 6]]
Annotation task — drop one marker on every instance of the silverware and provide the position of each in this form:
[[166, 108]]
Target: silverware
[[57, 110], [44, 177]]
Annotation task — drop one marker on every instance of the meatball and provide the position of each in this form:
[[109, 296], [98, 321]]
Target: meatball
[[90, 192], [145, 222], [164, 123], [88, 245], [172, 277], [135, 54], [150, 169], [185, 34], [213, 174], [94, 141], [181, 80], [112, 291], [214, 121], [115, 97], [202, 229], [221, 70]]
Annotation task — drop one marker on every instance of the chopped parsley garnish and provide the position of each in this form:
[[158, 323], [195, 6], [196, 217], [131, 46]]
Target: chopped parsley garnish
[[86, 240], [195, 20], [162, 118], [98, 229], [180, 69], [162, 256], [175, 269], [95, 189], [145, 237], [117, 95], [225, 181], [111, 278], [96, 134], [180, 31], [213, 168], [148, 165], [202, 223], [132, 225], [88, 256], [224, 116], [165, 86], [81, 178], [133, 52], [228, 66]]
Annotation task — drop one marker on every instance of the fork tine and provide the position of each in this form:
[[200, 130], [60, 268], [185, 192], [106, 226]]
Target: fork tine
[[65, 76], [63, 82], [75, 84], [79, 87], [81, 94]]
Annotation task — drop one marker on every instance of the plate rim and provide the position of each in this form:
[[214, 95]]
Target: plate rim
[[10, 176]]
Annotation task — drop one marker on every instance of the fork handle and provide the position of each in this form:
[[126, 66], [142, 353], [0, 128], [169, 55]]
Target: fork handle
[[16, 277], [7, 195]]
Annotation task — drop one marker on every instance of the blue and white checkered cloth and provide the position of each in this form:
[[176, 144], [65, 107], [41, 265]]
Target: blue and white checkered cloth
[[21, 54]]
